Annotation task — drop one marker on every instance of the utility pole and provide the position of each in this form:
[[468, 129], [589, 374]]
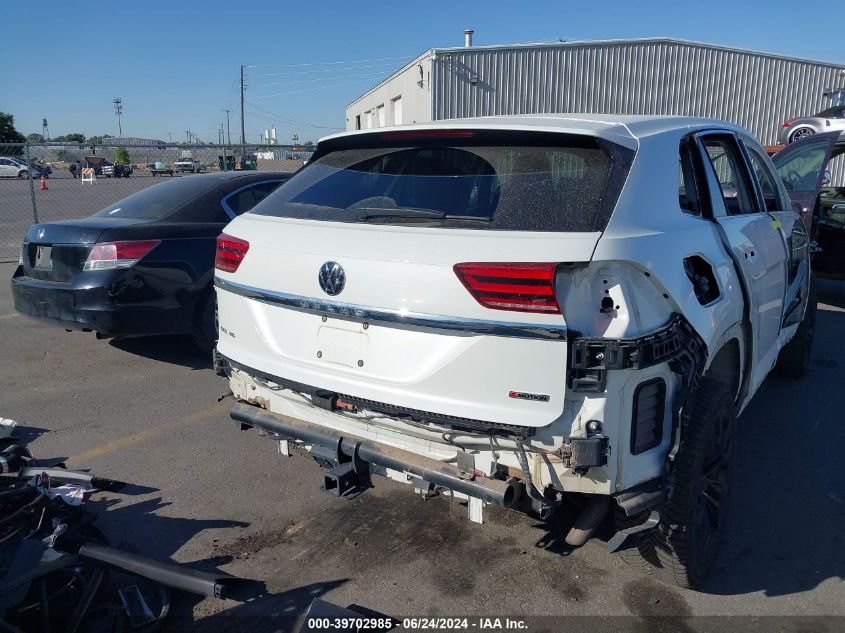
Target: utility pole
[[169, 137], [243, 135], [228, 133]]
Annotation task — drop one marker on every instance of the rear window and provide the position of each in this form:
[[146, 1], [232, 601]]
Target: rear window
[[532, 182], [158, 201]]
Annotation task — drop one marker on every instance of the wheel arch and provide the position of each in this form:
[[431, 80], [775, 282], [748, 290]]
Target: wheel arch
[[726, 365]]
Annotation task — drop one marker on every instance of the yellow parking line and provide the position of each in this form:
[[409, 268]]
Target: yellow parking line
[[9, 316], [135, 438]]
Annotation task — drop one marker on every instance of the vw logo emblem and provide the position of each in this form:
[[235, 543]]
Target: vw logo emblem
[[40, 233], [332, 278]]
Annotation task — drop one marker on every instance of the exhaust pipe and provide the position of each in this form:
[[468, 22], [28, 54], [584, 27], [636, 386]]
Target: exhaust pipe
[[496, 491]]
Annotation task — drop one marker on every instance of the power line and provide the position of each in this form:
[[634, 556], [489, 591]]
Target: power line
[[296, 92], [327, 70], [350, 61], [289, 120], [303, 81]]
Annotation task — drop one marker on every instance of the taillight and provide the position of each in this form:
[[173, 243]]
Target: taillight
[[787, 123], [230, 253], [111, 255], [523, 287]]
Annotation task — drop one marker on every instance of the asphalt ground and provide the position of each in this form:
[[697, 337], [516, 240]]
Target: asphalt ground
[[213, 497]]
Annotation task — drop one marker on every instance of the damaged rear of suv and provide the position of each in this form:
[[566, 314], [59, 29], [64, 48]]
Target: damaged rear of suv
[[519, 311]]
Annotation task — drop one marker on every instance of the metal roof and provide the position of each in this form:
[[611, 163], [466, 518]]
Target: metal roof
[[637, 40], [576, 43]]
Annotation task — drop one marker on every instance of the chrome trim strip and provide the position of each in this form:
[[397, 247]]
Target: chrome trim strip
[[395, 318]]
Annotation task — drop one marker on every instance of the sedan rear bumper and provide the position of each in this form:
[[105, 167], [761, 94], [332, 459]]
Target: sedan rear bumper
[[94, 308]]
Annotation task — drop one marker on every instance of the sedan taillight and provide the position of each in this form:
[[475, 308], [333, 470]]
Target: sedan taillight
[[522, 287], [230, 253], [111, 255], [788, 122]]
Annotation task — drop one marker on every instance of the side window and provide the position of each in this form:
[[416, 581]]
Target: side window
[[728, 169], [768, 184], [244, 199], [688, 197]]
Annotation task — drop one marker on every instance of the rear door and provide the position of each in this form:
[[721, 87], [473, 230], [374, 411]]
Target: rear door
[[754, 241], [772, 198], [420, 273]]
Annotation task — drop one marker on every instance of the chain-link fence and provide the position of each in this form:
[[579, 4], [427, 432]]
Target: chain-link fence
[[80, 179]]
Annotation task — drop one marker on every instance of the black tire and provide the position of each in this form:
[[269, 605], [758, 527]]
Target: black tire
[[205, 323], [682, 549], [794, 358], [23, 174], [801, 132]]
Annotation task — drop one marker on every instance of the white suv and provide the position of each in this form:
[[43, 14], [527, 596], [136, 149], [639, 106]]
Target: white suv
[[524, 310]]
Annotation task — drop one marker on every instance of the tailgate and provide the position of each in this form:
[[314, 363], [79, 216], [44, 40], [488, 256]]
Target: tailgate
[[404, 330]]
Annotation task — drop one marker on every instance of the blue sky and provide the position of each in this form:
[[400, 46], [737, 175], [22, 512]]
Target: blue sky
[[176, 65]]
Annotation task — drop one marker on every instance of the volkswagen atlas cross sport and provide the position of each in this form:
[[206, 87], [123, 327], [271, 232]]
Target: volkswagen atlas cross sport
[[524, 311]]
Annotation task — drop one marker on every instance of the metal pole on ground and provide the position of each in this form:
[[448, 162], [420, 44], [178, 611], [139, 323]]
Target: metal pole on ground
[[31, 184]]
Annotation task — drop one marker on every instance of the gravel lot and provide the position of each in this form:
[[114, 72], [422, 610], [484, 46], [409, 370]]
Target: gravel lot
[[145, 411]]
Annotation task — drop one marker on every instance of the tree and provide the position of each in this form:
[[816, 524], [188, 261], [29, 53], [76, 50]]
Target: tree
[[8, 134], [121, 156], [98, 140], [308, 144], [76, 137], [35, 138]]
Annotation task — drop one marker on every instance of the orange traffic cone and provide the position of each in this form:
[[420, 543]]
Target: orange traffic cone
[[43, 186]]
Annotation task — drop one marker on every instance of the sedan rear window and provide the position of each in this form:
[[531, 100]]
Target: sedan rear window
[[158, 201], [537, 183]]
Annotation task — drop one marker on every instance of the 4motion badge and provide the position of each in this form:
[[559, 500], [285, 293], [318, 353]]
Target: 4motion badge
[[522, 395]]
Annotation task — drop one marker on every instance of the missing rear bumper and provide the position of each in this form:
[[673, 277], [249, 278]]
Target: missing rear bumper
[[349, 458]]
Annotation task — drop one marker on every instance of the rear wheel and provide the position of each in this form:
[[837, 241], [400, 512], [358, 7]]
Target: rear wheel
[[802, 132], [794, 358], [683, 547], [205, 323], [23, 173]]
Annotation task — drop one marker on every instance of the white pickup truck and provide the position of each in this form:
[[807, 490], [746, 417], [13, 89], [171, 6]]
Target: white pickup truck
[[525, 310], [187, 163]]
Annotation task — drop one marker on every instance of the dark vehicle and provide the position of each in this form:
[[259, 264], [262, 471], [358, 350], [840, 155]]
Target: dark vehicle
[[103, 167], [141, 266], [829, 223]]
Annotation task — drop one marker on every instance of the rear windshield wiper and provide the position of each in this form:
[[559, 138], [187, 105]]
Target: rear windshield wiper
[[367, 213]]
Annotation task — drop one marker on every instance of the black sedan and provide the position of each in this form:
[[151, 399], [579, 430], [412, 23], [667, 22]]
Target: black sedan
[[141, 266]]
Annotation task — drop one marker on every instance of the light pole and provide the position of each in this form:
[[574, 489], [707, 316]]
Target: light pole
[[228, 134]]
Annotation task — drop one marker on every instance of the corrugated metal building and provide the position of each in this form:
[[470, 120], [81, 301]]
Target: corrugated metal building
[[642, 76]]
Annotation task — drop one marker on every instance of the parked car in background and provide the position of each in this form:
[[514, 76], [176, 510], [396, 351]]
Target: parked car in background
[[542, 308], [11, 167], [104, 167], [830, 120], [828, 228], [186, 163], [37, 167], [113, 170], [140, 266]]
